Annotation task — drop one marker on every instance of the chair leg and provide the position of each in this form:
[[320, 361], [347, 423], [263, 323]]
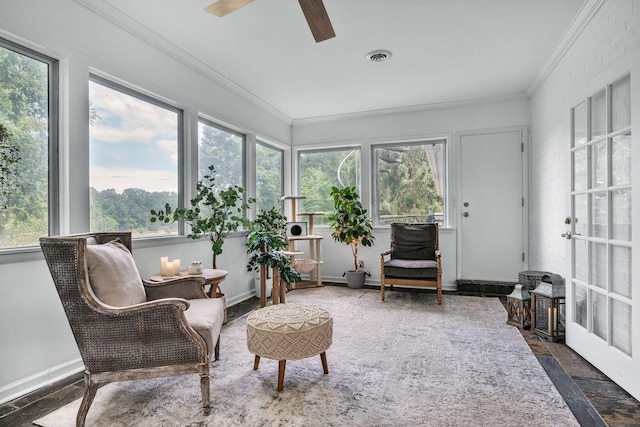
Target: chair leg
[[256, 362], [90, 389], [206, 399], [216, 351], [281, 368], [325, 367]]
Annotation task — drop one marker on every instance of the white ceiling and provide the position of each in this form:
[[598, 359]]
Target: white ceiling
[[443, 50]]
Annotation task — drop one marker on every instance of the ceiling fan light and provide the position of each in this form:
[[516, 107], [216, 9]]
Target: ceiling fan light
[[378, 55]]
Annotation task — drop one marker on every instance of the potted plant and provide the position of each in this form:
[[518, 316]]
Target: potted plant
[[266, 220], [213, 214], [352, 226], [265, 244]]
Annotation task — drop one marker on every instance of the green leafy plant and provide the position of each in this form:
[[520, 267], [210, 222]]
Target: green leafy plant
[[213, 213], [266, 242], [350, 223], [9, 157]]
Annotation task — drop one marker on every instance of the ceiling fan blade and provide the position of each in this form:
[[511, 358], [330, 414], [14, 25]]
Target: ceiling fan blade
[[223, 7], [317, 19]]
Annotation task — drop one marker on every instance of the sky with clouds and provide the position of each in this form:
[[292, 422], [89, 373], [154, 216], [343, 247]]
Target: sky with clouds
[[133, 143]]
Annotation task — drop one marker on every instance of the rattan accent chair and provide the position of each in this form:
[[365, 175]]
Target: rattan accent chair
[[125, 330], [414, 258]]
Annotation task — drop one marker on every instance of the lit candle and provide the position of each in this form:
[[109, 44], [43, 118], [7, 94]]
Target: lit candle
[[169, 268], [553, 320], [176, 267], [163, 265]]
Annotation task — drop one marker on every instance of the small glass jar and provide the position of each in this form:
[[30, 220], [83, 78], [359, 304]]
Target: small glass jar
[[195, 267]]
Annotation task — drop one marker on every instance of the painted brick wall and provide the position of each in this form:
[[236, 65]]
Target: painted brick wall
[[606, 49]]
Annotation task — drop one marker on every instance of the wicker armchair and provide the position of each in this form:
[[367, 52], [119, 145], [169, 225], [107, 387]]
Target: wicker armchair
[[125, 331], [415, 258]]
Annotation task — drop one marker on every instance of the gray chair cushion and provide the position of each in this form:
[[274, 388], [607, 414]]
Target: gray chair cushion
[[413, 241], [113, 275], [206, 315], [411, 269]]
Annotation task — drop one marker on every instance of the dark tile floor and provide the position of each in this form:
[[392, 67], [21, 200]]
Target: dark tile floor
[[593, 398]]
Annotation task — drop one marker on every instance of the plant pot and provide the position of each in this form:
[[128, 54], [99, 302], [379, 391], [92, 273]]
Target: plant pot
[[355, 279], [269, 285]]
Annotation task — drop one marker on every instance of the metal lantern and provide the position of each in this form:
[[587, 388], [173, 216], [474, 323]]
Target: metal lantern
[[548, 308], [518, 305]]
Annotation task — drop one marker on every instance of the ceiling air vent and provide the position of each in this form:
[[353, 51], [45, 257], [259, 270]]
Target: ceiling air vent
[[378, 55]]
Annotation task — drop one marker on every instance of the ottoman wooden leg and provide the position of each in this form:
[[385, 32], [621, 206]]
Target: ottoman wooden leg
[[323, 357], [281, 367], [256, 362]]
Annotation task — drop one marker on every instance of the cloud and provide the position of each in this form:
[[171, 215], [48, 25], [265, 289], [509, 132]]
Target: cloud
[[120, 179]]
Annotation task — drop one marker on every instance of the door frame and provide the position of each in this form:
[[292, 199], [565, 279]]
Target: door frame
[[455, 206]]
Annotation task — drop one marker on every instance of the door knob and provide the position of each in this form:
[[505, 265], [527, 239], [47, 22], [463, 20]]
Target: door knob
[[466, 214], [566, 235]]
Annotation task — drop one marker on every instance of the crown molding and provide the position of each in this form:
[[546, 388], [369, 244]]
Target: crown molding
[[112, 14], [407, 110], [575, 28]]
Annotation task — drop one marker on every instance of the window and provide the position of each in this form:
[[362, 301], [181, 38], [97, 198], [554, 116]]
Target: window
[[319, 170], [135, 162], [409, 182], [224, 150], [269, 177], [28, 146]]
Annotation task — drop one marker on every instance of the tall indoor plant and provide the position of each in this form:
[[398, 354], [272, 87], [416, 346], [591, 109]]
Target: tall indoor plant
[[213, 214], [352, 226], [265, 244]]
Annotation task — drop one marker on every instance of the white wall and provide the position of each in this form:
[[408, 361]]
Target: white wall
[[607, 48], [363, 130], [37, 346]]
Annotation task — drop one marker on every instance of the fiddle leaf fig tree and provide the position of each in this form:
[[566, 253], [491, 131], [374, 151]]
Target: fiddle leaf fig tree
[[350, 223], [213, 213]]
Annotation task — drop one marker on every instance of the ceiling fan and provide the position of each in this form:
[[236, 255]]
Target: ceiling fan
[[313, 10]]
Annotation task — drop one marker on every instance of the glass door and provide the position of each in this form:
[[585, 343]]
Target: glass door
[[599, 294]]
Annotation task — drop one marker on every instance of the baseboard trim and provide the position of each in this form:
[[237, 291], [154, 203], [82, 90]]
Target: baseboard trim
[[41, 379]]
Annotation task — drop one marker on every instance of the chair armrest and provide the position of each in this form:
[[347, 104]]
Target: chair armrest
[[187, 288], [154, 333]]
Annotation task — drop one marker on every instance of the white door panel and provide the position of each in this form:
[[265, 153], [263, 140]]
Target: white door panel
[[490, 206]]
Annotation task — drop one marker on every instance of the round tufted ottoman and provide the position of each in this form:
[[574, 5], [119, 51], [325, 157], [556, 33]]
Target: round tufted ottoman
[[289, 332]]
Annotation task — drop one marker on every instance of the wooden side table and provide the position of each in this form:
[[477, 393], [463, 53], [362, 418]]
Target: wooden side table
[[212, 277]]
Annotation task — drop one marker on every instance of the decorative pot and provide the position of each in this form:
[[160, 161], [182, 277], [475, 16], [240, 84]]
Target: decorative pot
[[355, 279]]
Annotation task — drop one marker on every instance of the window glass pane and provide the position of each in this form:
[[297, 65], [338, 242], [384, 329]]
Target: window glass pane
[[621, 160], [580, 124], [224, 150], [580, 301], [621, 270], [580, 169], [580, 214], [621, 104], [599, 214], [599, 164], [598, 264], [321, 170], [580, 259], [621, 331], [133, 159], [621, 214], [24, 147], [410, 182], [599, 311], [598, 115], [269, 173]]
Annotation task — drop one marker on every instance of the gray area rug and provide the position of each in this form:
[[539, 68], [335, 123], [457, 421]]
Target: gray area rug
[[402, 362]]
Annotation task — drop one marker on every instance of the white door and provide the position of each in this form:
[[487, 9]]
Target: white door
[[490, 206], [600, 301]]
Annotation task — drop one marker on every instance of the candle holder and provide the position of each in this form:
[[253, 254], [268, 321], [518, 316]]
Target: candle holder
[[548, 308], [518, 307]]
